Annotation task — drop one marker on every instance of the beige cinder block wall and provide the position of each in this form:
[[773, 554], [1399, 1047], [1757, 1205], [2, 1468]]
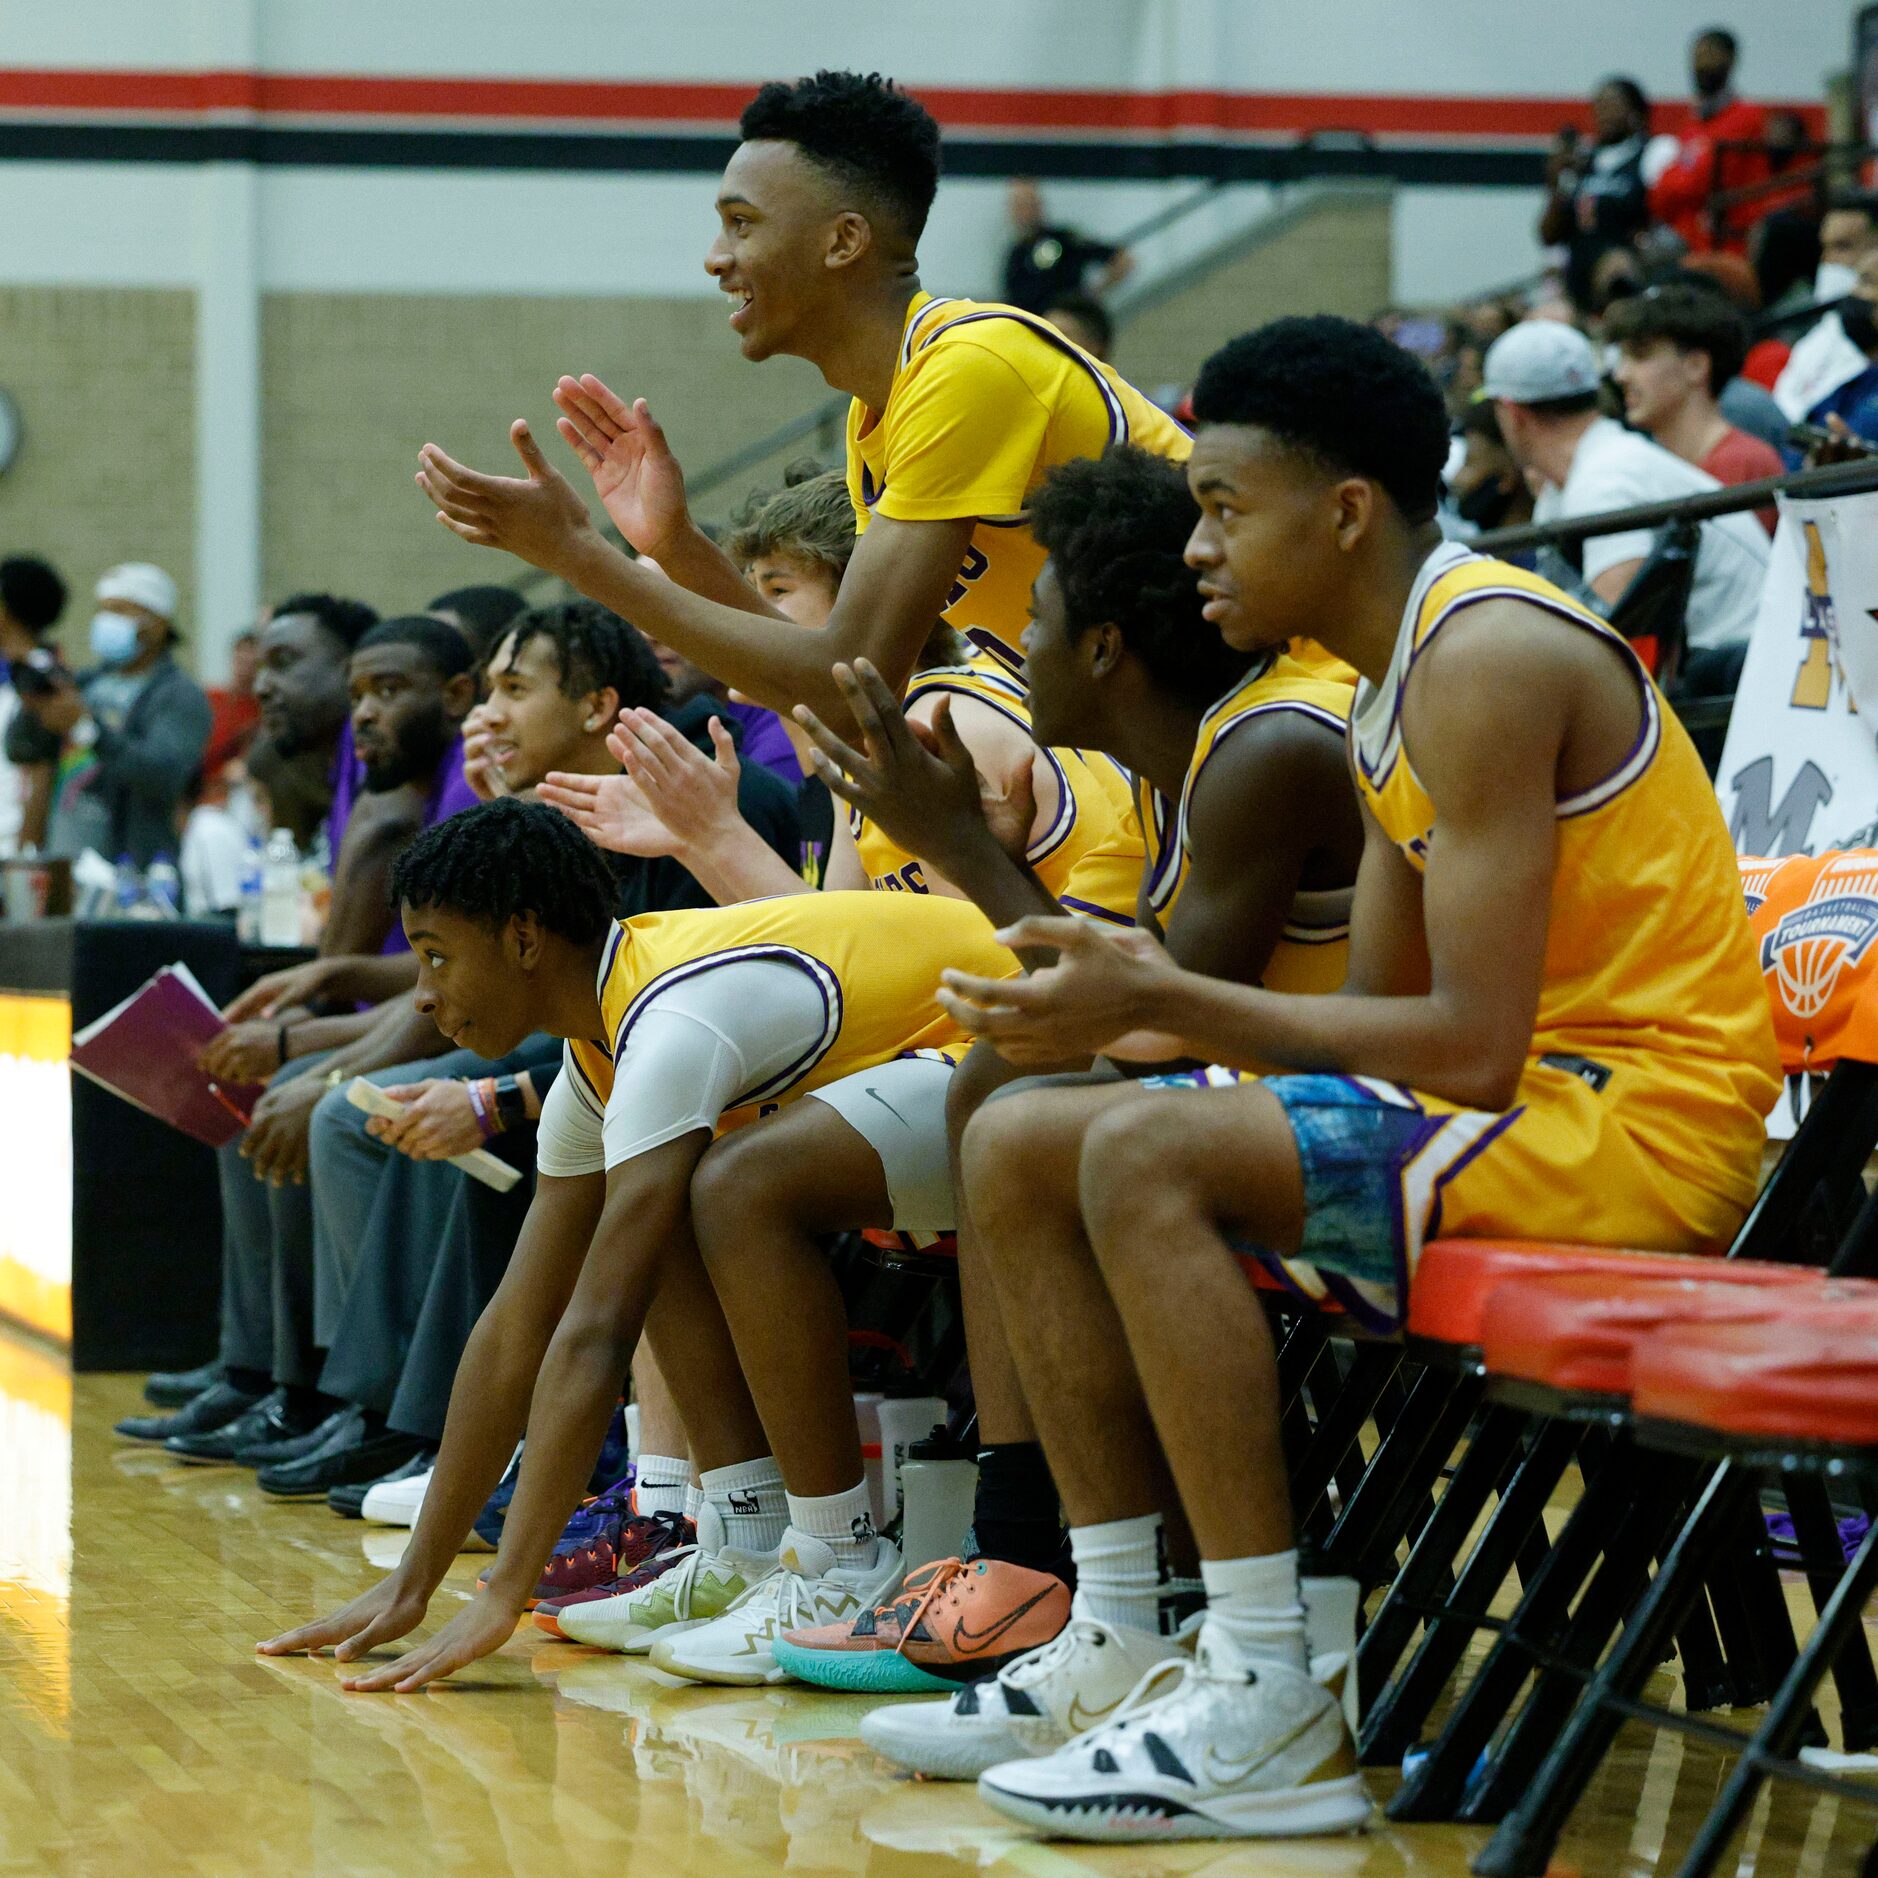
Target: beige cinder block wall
[[353, 384], [104, 378]]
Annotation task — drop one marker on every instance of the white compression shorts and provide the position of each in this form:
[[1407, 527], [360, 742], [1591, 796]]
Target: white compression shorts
[[899, 1110], [694, 1048]]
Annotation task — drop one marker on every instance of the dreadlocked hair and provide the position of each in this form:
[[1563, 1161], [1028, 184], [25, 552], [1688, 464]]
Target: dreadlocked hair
[[594, 650], [1115, 528], [507, 857]]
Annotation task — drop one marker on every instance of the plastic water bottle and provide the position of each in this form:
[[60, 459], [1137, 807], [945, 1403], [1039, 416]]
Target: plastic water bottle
[[937, 1482], [280, 890], [163, 888], [127, 893], [248, 907]]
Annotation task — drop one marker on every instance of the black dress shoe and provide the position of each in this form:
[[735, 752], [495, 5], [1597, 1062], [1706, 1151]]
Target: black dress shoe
[[349, 1501], [296, 1432], [172, 1388], [215, 1407], [356, 1453], [271, 1419]]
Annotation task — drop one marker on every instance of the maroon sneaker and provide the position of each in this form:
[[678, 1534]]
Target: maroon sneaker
[[684, 1534]]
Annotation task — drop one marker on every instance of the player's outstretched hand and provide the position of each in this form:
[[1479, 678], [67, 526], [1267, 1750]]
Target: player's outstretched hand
[[694, 795], [537, 517], [381, 1615], [622, 448], [609, 811], [481, 1628], [1088, 1003]]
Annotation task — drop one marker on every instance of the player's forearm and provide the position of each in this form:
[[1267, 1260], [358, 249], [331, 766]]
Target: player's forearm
[[754, 650], [488, 1411], [313, 1034], [567, 1419], [368, 976], [738, 864], [701, 567], [1423, 1042], [1003, 889]]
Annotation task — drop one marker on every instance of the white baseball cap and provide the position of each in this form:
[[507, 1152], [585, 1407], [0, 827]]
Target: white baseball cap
[[1537, 361], [142, 584]]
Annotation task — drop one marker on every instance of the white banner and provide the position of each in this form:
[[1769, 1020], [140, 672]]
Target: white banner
[[1799, 772]]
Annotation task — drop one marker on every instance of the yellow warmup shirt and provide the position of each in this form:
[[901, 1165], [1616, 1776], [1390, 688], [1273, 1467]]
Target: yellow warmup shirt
[[875, 958], [1090, 857], [1639, 1119], [1313, 952], [985, 401]]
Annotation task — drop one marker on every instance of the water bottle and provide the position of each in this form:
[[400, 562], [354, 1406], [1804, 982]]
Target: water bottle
[[280, 890], [248, 907], [127, 892], [937, 1482], [163, 887]]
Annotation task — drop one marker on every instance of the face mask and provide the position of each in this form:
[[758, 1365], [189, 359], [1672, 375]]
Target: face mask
[[1860, 320], [113, 638], [1485, 505], [1834, 280]]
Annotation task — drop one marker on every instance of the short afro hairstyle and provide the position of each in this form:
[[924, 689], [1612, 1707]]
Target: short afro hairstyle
[[594, 650], [1339, 393], [1693, 316], [348, 621], [442, 647], [811, 521], [1116, 528], [483, 610], [507, 857], [31, 591], [863, 130]]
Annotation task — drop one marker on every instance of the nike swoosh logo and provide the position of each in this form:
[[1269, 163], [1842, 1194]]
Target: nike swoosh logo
[[1081, 1718], [891, 1110], [1225, 1772], [966, 1639]]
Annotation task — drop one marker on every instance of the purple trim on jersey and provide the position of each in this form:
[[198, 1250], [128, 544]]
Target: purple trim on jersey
[[1088, 909], [1432, 1230]]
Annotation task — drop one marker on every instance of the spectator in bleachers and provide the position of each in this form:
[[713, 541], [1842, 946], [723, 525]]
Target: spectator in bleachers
[[124, 738], [1707, 162], [1082, 318], [1049, 259], [234, 713], [1850, 412], [1823, 357], [1489, 490], [1678, 347], [1599, 199], [1543, 379], [32, 596]]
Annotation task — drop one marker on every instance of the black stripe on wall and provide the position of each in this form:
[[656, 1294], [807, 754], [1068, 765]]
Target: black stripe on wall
[[1503, 167]]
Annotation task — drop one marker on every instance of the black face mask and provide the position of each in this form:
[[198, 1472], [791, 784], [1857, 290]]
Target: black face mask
[[1485, 505], [1860, 320]]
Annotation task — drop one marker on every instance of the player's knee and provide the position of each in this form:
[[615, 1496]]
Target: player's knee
[[982, 1073], [737, 1182], [1131, 1153], [992, 1154]]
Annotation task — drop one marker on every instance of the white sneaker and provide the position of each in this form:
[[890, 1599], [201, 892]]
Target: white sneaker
[[1031, 1706], [397, 1502], [807, 1588], [1216, 1748], [700, 1586]]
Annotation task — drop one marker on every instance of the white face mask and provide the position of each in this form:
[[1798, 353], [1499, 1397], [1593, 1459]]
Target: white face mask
[[1834, 280]]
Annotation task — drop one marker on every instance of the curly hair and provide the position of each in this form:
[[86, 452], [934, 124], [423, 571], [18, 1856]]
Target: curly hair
[[1693, 316], [31, 591], [1339, 393], [347, 620], [507, 857], [594, 650], [810, 521], [1115, 528], [863, 130]]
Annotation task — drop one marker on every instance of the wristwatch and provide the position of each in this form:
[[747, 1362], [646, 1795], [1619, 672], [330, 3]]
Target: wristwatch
[[511, 1102]]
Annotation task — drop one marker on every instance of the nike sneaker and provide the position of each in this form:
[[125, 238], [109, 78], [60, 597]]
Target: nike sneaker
[[1030, 1707], [1216, 1747], [548, 1610], [604, 1539], [953, 1622], [697, 1587], [806, 1585]]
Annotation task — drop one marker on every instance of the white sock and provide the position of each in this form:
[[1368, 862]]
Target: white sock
[[1255, 1602], [744, 1507], [1121, 1566], [694, 1501], [661, 1484], [844, 1522]]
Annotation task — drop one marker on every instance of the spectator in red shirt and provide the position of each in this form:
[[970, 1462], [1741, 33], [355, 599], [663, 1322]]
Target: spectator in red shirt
[[236, 714], [1679, 198], [1677, 346]]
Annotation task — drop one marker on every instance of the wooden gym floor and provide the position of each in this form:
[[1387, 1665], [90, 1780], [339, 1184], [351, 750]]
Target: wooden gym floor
[[139, 1733]]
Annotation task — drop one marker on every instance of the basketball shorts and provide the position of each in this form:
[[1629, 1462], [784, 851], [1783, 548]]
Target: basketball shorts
[[899, 1110], [1385, 1169]]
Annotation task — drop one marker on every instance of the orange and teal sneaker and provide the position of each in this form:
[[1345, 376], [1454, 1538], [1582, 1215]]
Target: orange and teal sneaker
[[955, 1622]]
